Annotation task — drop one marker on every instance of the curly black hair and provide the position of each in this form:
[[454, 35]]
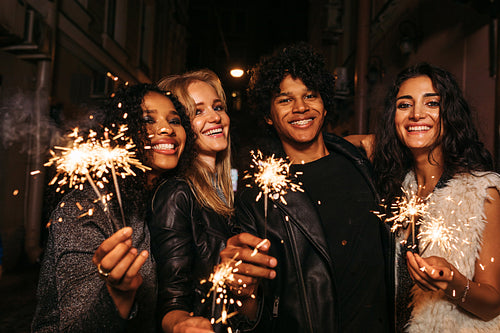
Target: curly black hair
[[462, 150], [124, 107], [301, 62]]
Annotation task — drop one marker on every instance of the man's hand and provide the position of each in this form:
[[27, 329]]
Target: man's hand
[[255, 263]]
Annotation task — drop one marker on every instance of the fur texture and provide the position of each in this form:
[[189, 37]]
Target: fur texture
[[461, 204]]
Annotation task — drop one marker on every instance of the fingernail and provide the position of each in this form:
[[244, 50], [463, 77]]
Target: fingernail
[[133, 251], [273, 262], [127, 231], [145, 253], [264, 245], [272, 275]]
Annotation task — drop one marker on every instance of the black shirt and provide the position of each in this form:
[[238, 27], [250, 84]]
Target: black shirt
[[345, 204]]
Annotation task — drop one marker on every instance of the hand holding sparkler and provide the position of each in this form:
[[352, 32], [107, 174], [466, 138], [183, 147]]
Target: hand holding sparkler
[[118, 263], [254, 264], [435, 273]]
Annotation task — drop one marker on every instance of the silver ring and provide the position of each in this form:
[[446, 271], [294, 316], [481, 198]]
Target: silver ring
[[101, 272]]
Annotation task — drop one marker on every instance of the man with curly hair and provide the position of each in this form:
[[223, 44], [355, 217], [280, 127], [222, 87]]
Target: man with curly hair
[[330, 249]]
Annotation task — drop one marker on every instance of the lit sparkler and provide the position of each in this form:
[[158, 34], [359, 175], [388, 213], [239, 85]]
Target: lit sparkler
[[434, 231], [90, 159], [223, 275], [407, 211], [272, 175]]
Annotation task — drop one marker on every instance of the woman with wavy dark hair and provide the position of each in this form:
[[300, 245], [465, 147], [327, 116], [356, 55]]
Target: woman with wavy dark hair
[[95, 277], [426, 145]]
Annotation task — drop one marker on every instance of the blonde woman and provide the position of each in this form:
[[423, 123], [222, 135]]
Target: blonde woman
[[190, 215]]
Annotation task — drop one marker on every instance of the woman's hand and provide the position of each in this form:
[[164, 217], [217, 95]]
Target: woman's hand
[[432, 273], [118, 263]]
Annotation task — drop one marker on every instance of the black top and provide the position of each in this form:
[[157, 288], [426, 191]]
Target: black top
[[186, 241], [345, 206]]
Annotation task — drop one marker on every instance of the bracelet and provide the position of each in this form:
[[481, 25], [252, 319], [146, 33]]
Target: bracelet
[[466, 291]]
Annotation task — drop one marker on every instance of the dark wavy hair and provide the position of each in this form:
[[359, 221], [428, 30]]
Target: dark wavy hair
[[462, 150], [301, 62], [124, 107]]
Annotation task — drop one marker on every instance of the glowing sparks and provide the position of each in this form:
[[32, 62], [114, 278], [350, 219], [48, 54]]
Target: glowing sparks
[[15, 192], [91, 158], [222, 275], [256, 249], [406, 208], [407, 211], [94, 157], [272, 175], [435, 232]]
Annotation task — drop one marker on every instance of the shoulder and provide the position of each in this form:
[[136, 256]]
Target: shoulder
[[478, 181], [172, 189], [340, 145]]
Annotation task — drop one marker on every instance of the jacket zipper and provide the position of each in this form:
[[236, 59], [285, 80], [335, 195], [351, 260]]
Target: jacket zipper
[[276, 306]]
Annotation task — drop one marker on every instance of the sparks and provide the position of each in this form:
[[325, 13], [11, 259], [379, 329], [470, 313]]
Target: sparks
[[91, 158], [272, 176], [222, 275], [435, 232], [407, 211]]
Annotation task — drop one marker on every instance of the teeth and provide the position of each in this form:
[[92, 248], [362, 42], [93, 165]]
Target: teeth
[[213, 131], [418, 128], [164, 146], [301, 122]]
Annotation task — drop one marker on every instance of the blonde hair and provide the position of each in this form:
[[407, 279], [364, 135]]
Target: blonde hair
[[201, 178]]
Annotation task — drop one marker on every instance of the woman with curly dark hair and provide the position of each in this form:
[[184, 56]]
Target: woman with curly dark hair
[[94, 277], [426, 145]]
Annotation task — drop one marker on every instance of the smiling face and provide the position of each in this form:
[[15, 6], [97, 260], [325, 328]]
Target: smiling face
[[417, 117], [297, 114], [210, 122], [165, 132]]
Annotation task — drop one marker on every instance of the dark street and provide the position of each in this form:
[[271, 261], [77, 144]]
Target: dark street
[[17, 299]]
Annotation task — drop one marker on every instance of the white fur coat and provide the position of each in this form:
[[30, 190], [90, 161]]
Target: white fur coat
[[459, 208]]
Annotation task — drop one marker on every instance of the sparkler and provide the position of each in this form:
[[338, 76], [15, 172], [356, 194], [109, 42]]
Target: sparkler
[[410, 209], [89, 159], [272, 175], [223, 275], [436, 232], [407, 210]]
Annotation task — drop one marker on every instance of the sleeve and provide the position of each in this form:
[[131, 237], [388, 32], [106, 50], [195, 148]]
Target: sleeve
[[172, 246], [245, 219], [71, 295]]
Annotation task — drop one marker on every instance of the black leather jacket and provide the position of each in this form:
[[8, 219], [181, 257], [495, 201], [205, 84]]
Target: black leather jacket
[[186, 242], [305, 269]]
